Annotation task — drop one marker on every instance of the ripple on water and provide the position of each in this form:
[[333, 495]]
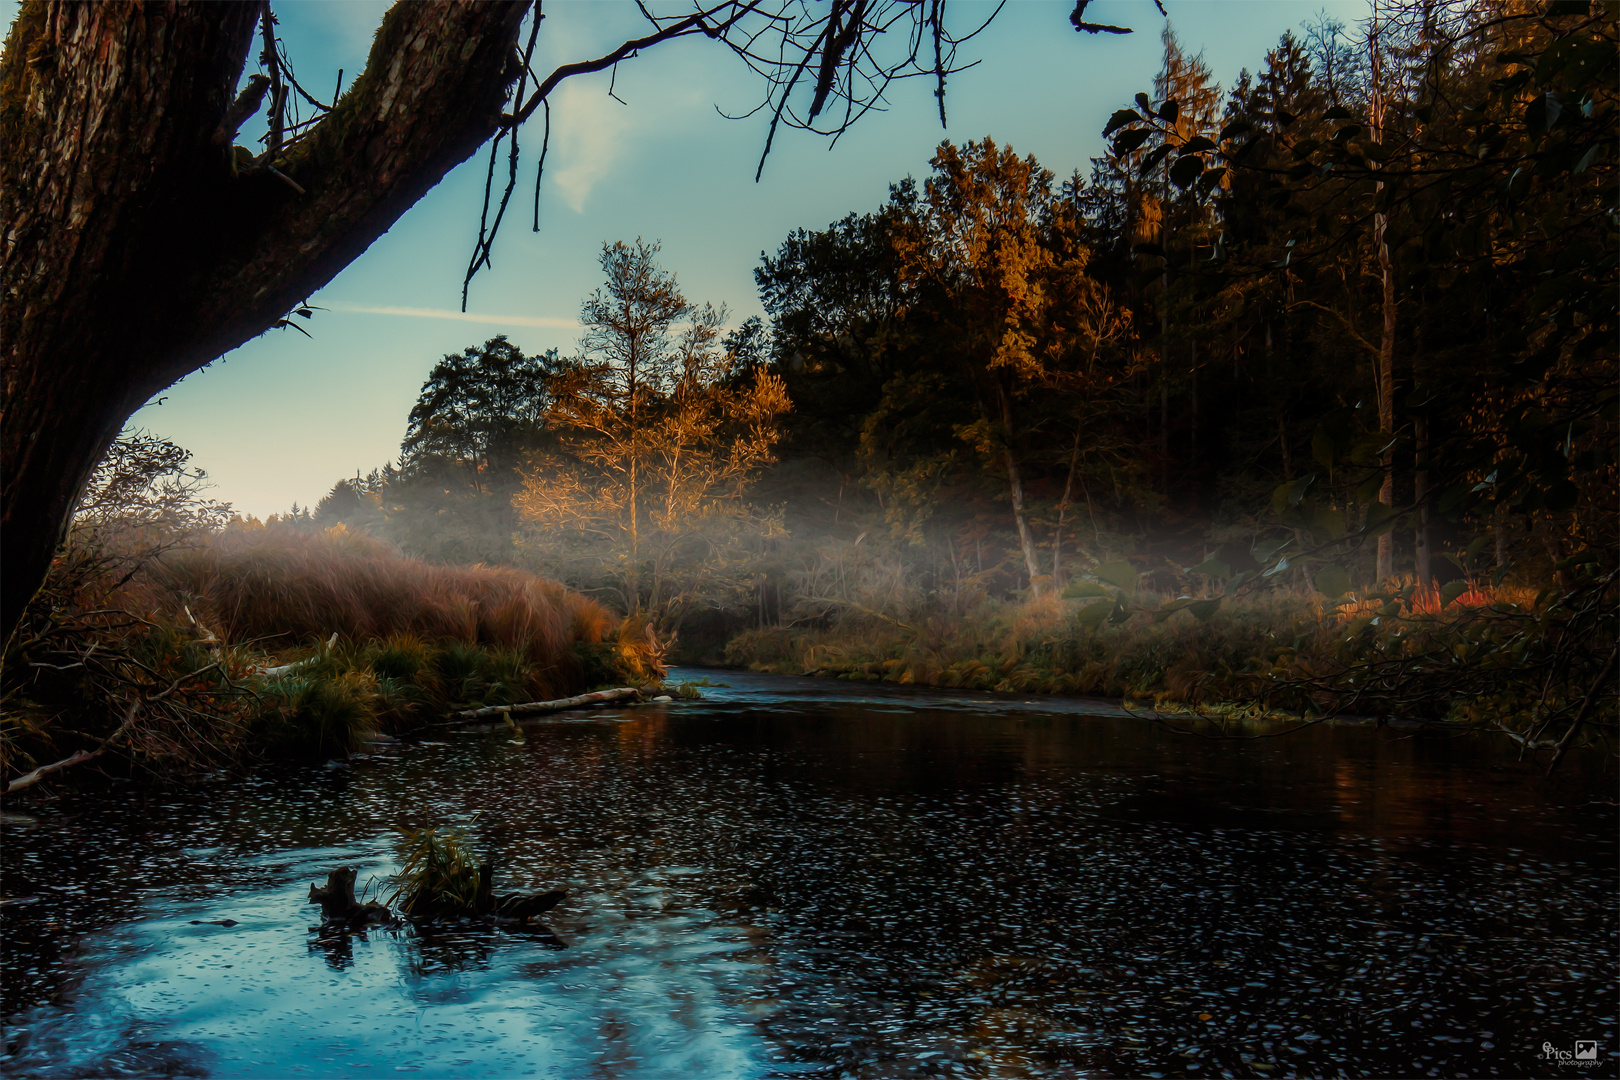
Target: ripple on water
[[795, 878]]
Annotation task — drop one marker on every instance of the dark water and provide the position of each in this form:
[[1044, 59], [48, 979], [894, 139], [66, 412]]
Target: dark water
[[807, 878]]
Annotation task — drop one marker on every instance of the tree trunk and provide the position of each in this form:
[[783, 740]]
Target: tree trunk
[[1063, 513], [1386, 343], [1015, 482], [138, 248], [1420, 493]]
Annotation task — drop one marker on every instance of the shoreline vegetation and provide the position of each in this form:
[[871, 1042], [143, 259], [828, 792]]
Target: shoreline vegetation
[[178, 657], [1482, 658]]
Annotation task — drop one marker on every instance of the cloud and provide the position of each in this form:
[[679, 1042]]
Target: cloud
[[590, 132], [459, 316]]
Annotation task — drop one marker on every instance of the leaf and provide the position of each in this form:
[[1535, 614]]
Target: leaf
[[1197, 145], [1332, 580], [1126, 141], [1327, 522], [1475, 546], [1092, 615], [1211, 568], [1236, 127], [1322, 448], [1297, 490], [1153, 157], [1169, 110], [1204, 610], [1264, 553], [1451, 590], [1381, 518], [1145, 102], [1338, 112], [1171, 607], [1117, 572], [1083, 589], [1120, 119], [1186, 170], [1121, 614]]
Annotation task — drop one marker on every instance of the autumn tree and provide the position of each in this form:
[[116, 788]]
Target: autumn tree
[[995, 264], [658, 437]]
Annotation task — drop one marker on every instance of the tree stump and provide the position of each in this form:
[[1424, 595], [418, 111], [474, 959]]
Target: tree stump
[[338, 905]]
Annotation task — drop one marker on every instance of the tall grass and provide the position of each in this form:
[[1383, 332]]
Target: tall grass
[[162, 660], [306, 586]]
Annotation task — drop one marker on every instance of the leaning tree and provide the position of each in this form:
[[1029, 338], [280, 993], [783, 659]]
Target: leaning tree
[[141, 242]]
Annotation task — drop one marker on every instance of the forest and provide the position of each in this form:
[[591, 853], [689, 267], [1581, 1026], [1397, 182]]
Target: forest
[[1302, 402]]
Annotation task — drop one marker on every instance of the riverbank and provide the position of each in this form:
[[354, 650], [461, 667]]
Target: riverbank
[[1493, 659], [215, 655]]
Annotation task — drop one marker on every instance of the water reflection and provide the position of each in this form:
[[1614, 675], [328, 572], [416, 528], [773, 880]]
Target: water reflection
[[800, 877]]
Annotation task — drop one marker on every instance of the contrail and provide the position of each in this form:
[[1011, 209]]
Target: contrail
[[460, 316]]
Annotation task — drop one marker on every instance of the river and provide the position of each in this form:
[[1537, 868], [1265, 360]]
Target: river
[[798, 877]]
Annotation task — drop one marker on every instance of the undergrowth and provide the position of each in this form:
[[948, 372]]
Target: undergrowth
[[203, 656], [1525, 664]]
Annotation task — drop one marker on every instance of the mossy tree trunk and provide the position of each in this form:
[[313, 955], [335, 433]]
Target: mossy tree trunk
[[136, 251]]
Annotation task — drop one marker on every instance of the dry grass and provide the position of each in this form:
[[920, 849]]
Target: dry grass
[[307, 586], [158, 659]]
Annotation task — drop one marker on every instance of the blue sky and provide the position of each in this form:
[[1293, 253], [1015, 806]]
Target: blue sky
[[281, 418]]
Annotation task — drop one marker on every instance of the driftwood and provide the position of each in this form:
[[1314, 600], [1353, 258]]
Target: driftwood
[[296, 665], [600, 697], [78, 757], [29, 779], [340, 908]]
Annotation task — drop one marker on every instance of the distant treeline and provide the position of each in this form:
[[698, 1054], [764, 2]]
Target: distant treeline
[[1319, 330]]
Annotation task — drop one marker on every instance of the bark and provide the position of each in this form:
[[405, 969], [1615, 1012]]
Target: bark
[[137, 251]]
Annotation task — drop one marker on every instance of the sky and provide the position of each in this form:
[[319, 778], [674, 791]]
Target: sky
[[283, 417]]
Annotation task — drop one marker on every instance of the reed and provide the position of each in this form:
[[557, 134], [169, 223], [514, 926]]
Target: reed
[[305, 586]]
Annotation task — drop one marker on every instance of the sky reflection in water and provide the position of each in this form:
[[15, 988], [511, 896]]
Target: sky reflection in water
[[798, 877]]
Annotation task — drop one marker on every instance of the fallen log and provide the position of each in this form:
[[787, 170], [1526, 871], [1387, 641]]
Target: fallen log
[[599, 697]]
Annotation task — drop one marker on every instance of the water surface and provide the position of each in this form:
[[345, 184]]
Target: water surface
[[799, 877]]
